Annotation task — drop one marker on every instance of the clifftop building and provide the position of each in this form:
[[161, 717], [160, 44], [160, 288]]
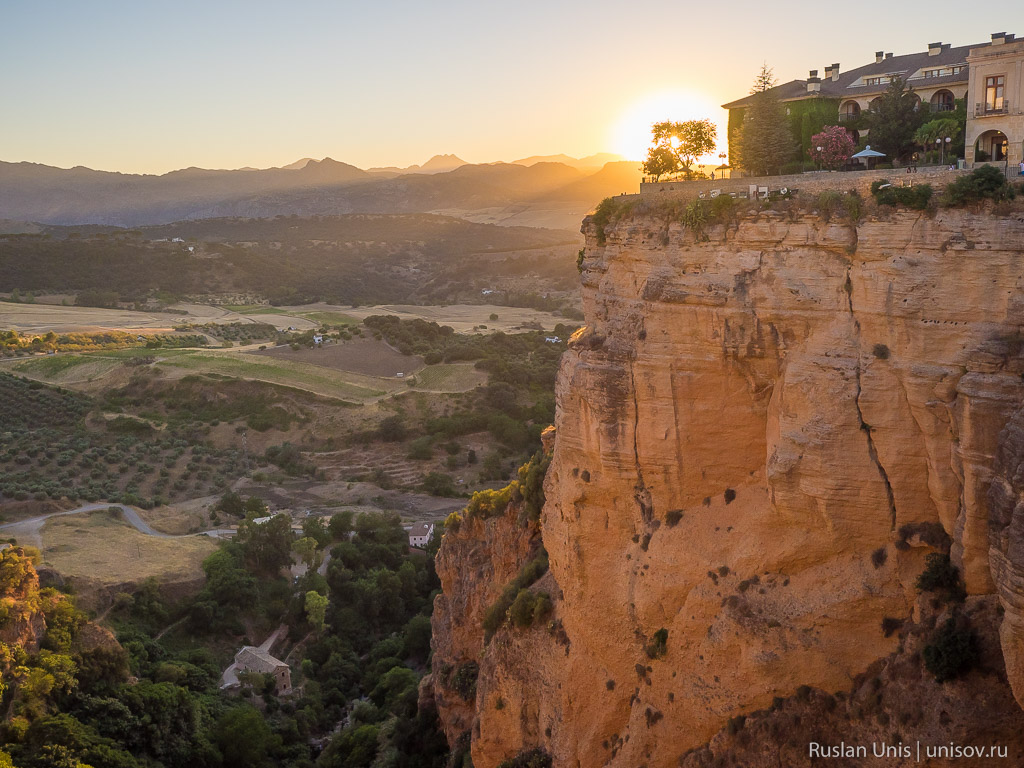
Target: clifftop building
[[988, 76]]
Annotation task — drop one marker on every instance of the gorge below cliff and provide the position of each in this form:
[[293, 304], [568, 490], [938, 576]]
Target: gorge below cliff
[[767, 425]]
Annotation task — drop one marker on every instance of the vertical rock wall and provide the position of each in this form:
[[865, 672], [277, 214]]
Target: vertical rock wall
[[760, 436]]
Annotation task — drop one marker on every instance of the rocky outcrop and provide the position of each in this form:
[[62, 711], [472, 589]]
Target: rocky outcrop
[[761, 433], [21, 611], [1006, 510], [479, 557], [893, 710]]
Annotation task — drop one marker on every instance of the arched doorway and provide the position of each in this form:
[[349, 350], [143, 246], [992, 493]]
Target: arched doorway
[[991, 145], [943, 101], [873, 104], [850, 110]]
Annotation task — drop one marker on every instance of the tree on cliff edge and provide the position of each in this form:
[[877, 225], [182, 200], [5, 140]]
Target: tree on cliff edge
[[677, 147], [765, 140]]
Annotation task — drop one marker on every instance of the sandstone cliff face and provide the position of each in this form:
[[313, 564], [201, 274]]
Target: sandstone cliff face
[[474, 564], [759, 439], [889, 709]]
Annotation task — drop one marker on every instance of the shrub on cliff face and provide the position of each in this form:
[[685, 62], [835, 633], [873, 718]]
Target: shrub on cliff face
[[463, 680], [530, 488], [829, 202], [658, 645], [987, 182], [529, 608], [695, 217], [602, 217], [528, 574], [529, 758], [916, 197], [940, 575], [952, 651]]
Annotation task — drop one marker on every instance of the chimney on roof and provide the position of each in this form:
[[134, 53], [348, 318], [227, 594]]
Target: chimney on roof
[[998, 38], [934, 49], [835, 71], [888, 55], [879, 55], [813, 82]]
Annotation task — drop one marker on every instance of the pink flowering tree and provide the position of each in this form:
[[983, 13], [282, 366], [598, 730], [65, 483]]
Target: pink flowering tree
[[836, 147]]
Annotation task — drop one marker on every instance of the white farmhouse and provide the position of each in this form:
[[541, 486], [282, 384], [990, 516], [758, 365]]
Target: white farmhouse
[[419, 535]]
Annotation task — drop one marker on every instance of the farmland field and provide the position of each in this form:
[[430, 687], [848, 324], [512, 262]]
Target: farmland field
[[450, 377], [40, 318], [65, 367], [365, 356], [312, 378]]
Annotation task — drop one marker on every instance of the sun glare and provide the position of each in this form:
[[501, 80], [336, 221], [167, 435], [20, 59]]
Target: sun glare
[[631, 135]]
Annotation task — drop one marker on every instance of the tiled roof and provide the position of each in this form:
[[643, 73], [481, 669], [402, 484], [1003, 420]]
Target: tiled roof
[[905, 66], [420, 529], [257, 660]]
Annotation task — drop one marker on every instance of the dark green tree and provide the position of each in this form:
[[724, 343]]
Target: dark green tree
[[267, 546], [244, 738], [231, 504], [894, 119], [766, 141], [340, 525]]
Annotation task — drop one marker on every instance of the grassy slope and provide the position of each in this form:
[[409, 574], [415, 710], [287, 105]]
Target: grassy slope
[[102, 548]]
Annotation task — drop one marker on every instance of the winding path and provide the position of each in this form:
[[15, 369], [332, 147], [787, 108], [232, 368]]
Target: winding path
[[28, 530]]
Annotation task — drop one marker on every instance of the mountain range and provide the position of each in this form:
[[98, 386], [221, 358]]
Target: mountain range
[[31, 192]]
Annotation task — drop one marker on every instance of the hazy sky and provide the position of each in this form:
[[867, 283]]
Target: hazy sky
[[149, 86]]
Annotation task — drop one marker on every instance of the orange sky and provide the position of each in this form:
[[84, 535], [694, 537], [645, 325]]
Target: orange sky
[[150, 87]]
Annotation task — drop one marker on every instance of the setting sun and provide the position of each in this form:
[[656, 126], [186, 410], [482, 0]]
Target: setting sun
[[631, 135]]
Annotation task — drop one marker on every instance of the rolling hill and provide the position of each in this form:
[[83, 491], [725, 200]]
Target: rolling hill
[[77, 196]]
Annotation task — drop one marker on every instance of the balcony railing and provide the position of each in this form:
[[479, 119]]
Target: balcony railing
[[983, 110], [941, 107], [848, 117]]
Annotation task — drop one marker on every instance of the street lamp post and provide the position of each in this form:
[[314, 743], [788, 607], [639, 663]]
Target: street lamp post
[[946, 144], [819, 158]]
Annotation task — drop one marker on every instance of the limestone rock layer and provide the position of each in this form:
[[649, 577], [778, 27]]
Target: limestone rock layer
[[760, 437]]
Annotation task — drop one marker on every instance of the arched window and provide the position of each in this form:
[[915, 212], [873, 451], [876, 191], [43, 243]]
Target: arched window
[[943, 101], [850, 110], [991, 146]]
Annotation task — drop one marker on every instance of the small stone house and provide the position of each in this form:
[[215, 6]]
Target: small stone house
[[419, 535], [251, 659]]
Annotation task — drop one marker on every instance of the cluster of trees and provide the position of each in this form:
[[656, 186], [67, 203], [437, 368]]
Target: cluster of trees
[[13, 343], [365, 644], [198, 400], [342, 259], [50, 451]]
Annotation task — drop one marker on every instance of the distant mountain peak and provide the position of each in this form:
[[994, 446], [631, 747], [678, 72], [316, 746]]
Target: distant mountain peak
[[442, 163], [298, 165], [588, 163]]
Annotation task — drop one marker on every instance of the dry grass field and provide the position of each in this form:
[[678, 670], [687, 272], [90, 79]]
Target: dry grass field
[[463, 317], [449, 377], [105, 549], [365, 356], [40, 318]]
